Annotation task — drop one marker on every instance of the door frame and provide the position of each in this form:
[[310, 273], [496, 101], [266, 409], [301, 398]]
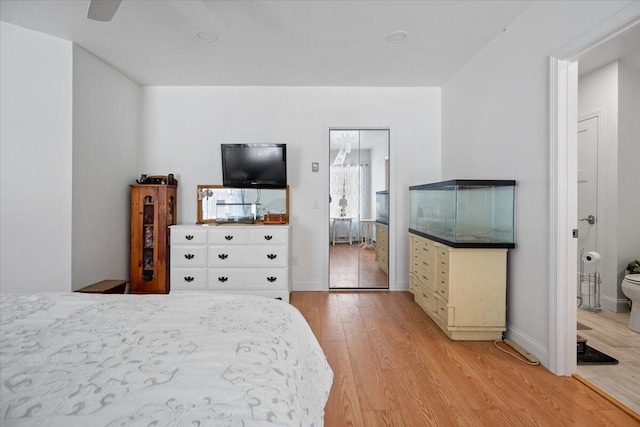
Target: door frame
[[563, 124], [325, 204]]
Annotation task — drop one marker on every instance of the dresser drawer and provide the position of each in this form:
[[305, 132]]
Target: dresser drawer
[[250, 278], [427, 279], [188, 256], [269, 236], [425, 299], [247, 256], [442, 287], [229, 236], [188, 278], [441, 310], [188, 236]]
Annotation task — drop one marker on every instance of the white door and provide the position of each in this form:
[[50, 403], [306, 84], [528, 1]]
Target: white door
[[588, 189]]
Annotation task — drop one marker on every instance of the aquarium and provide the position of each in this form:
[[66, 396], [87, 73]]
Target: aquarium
[[382, 207], [464, 213]]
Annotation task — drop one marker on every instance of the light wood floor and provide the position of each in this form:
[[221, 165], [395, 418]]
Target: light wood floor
[[351, 266], [610, 335], [394, 367]]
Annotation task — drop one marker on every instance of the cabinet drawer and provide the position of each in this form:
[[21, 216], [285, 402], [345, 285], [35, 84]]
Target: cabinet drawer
[[269, 236], [427, 279], [247, 256], [427, 264], [188, 256], [188, 236], [443, 287], [188, 278], [254, 278], [426, 250], [425, 299], [441, 310], [229, 236]]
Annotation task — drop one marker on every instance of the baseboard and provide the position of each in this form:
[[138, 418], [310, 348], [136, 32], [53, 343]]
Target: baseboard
[[529, 344], [617, 305], [313, 286]]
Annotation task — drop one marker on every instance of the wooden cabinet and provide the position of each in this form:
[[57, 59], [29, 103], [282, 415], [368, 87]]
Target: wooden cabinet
[[153, 210], [251, 259], [462, 289], [382, 246]]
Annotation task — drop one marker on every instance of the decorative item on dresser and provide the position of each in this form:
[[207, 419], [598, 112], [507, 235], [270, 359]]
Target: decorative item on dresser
[[244, 259], [459, 234], [153, 210]]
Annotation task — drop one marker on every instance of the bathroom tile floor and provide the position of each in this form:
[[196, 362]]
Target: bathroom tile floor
[[610, 335]]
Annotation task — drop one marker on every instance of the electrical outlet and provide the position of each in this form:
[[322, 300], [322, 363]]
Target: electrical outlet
[[315, 205], [315, 167], [294, 260]]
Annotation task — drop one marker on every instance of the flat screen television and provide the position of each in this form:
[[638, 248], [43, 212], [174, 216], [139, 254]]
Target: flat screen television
[[254, 165]]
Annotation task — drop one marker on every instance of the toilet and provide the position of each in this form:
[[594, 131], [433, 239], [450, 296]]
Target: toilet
[[631, 289]]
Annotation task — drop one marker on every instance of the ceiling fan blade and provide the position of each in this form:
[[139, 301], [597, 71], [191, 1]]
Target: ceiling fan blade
[[102, 10]]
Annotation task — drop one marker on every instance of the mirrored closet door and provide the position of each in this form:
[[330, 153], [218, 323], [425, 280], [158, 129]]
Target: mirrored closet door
[[358, 209]]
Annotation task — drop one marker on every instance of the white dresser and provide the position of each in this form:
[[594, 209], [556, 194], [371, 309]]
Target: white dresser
[[245, 259], [462, 289]]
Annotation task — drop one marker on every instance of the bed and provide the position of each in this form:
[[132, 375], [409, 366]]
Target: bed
[[196, 359]]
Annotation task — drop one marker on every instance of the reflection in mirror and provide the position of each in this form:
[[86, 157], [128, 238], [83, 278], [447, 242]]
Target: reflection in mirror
[[358, 208], [218, 204]]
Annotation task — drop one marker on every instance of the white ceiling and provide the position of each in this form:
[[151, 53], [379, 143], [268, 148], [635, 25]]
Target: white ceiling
[[273, 43]]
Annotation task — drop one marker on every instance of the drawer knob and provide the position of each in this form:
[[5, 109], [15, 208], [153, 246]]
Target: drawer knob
[[272, 256], [189, 256], [188, 237], [442, 292], [223, 256], [222, 279], [272, 279], [268, 237], [188, 279], [228, 237]]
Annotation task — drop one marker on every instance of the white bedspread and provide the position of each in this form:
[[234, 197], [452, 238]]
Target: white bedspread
[[196, 359]]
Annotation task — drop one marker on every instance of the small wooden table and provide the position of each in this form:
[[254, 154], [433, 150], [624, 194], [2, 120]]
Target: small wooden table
[[113, 286], [336, 224]]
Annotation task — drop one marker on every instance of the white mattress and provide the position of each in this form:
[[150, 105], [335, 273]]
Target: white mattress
[[73, 359]]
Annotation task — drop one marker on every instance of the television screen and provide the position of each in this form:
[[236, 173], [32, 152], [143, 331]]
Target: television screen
[[254, 165]]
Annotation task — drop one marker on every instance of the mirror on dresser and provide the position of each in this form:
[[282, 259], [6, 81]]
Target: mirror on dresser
[[218, 204]]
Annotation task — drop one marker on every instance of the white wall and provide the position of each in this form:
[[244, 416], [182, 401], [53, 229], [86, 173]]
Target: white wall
[[495, 124], [183, 127], [598, 91], [36, 161], [628, 166], [105, 162]]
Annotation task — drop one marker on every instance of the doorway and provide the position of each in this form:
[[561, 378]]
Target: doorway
[[564, 216], [358, 208]]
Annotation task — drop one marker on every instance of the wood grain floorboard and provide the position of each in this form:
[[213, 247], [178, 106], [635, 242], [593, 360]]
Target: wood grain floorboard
[[394, 367], [609, 333]]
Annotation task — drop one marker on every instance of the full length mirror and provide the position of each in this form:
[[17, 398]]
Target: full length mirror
[[359, 209], [217, 204]]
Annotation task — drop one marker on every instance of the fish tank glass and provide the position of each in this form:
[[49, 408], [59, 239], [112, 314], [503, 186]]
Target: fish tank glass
[[382, 207], [465, 213]]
